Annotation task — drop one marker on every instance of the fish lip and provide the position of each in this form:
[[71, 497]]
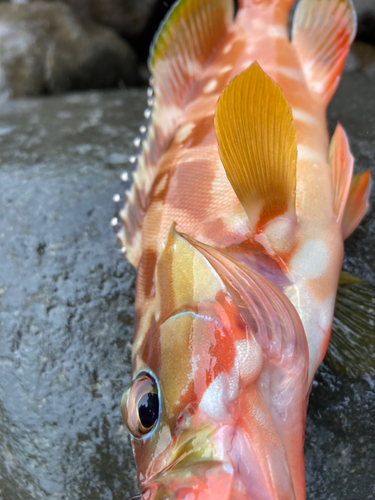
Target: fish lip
[[157, 481]]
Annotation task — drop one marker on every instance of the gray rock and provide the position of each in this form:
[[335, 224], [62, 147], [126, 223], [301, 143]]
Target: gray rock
[[44, 48], [127, 17], [366, 20], [66, 304]]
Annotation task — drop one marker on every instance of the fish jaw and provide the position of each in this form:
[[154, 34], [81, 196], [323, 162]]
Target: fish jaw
[[221, 462]]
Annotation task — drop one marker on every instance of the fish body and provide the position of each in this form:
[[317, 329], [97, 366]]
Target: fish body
[[235, 222]]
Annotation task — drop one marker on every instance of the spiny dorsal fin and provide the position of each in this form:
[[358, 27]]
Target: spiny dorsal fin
[[322, 33], [257, 144], [352, 345], [341, 162], [358, 202], [180, 50]]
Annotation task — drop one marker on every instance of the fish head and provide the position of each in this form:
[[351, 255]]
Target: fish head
[[217, 404]]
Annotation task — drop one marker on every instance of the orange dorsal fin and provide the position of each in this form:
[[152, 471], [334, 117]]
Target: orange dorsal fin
[[341, 162], [257, 145], [358, 202], [323, 31], [181, 48]]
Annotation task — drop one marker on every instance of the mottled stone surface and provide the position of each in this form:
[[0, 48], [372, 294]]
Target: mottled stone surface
[[135, 20], [66, 310], [66, 303], [45, 48]]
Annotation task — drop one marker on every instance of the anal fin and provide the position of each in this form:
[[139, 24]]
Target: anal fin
[[322, 33], [257, 145], [358, 202], [341, 162]]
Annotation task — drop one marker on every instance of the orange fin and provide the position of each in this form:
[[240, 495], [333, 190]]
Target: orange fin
[[341, 162], [358, 202], [179, 52], [257, 145], [323, 31]]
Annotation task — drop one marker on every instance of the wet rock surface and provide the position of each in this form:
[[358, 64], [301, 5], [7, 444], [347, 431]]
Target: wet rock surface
[[45, 48], [66, 304], [134, 20]]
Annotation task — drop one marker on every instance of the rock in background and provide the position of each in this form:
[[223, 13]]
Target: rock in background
[[134, 20], [45, 48], [60, 45]]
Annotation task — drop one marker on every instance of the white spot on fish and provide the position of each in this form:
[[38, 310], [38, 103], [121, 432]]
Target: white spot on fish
[[250, 359], [228, 47], [213, 402], [116, 198], [312, 259], [277, 31], [326, 312], [307, 153], [225, 69], [210, 87], [292, 73], [303, 116], [164, 440], [184, 132], [222, 390], [278, 233]]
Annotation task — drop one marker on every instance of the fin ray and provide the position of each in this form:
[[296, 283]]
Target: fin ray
[[358, 202], [257, 144], [341, 162], [352, 344], [322, 33]]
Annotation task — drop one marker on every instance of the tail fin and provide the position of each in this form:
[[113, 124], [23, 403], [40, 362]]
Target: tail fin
[[243, 4], [323, 31]]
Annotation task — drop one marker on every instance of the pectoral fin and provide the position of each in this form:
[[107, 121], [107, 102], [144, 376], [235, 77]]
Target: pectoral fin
[[352, 344], [257, 145]]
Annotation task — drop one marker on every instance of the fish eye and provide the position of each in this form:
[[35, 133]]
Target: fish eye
[[140, 405]]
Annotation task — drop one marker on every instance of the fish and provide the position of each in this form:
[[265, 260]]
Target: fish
[[235, 219]]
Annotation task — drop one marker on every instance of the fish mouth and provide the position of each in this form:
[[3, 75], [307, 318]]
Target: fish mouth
[[211, 480], [221, 465]]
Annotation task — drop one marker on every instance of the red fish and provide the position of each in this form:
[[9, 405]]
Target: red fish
[[235, 221]]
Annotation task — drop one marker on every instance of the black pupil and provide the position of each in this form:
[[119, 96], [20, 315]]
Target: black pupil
[[148, 409]]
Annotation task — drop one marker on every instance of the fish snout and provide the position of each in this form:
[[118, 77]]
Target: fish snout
[[201, 481]]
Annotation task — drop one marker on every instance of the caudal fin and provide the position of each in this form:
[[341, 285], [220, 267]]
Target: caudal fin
[[243, 4], [323, 31]]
